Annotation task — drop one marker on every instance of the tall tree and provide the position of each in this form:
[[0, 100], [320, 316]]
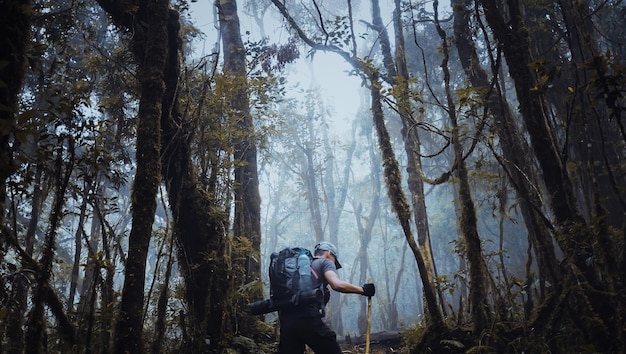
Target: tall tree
[[515, 44], [575, 236], [365, 223], [593, 146], [335, 206], [309, 146], [398, 76], [468, 223], [518, 166], [398, 201], [200, 219], [149, 23], [35, 335], [247, 218], [15, 23]]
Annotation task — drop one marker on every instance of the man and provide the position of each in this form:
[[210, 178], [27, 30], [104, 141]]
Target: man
[[304, 325]]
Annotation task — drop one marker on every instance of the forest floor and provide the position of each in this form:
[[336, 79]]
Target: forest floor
[[380, 343], [375, 348]]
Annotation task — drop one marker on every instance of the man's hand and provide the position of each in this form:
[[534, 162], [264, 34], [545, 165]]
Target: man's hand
[[369, 289]]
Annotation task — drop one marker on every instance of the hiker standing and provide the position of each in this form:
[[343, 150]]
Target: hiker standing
[[303, 324]]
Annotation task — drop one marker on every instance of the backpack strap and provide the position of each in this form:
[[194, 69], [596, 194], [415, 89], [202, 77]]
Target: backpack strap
[[315, 273], [322, 288]]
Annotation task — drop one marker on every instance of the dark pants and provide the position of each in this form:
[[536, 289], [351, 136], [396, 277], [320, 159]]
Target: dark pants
[[312, 331]]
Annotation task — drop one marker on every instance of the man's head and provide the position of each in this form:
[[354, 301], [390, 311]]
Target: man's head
[[324, 248]]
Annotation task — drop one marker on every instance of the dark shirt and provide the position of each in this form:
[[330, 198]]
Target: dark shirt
[[319, 266]]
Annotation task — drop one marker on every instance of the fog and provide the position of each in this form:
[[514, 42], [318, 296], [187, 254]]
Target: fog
[[322, 91]]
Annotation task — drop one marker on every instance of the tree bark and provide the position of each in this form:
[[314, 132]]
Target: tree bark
[[149, 48], [247, 217], [398, 75], [36, 326], [519, 166], [574, 235], [478, 272], [334, 210], [15, 25], [393, 181], [200, 222]]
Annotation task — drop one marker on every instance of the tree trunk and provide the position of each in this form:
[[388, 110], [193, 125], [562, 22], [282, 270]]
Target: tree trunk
[[398, 75], [247, 218], [15, 20], [17, 310], [107, 313], [78, 248], [35, 333], [334, 211], [86, 305], [478, 291], [200, 222], [159, 335], [573, 234], [519, 166], [15, 24], [393, 181], [365, 225], [597, 147], [310, 181], [149, 48], [513, 37]]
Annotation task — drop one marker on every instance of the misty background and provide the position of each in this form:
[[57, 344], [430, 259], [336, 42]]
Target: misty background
[[154, 154], [325, 108]]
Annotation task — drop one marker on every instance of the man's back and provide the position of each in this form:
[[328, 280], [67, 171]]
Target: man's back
[[319, 266]]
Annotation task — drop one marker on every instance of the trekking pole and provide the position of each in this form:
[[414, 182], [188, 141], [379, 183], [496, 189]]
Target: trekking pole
[[369, 317]]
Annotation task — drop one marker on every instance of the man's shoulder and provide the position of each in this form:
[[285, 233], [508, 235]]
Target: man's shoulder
[[324, 264], [322, 260]]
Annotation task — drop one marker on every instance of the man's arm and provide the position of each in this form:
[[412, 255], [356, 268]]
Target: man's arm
[[341, 286]]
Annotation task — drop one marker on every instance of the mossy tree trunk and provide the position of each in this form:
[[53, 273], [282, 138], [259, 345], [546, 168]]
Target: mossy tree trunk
[[398, 75], [468, 224], [596, 146], [200, 223], [247, 217], [514, 41], [247, 211], [148, 19], [400, 206], [412, 146]]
